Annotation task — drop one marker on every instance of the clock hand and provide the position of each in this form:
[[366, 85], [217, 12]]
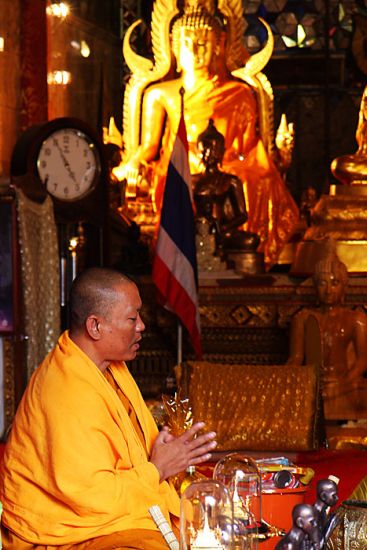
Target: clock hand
[[66, 163]]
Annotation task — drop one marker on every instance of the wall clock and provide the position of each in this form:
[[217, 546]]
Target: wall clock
[[64, 158], [68, 164]]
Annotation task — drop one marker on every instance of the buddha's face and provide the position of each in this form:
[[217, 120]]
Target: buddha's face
[[211, 152], [330, 288], [197, 48]]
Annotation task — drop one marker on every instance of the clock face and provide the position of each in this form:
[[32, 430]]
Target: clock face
[[68, 164]]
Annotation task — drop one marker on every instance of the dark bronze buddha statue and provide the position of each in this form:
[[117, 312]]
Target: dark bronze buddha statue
[[220, 201]]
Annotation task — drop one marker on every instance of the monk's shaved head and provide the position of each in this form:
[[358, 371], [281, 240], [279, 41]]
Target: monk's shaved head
[[94, 292]]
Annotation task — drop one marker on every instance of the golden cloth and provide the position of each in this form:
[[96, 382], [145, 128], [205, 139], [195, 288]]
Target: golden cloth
[[255, 407], [272, 212], [83, 472], [40, 277]]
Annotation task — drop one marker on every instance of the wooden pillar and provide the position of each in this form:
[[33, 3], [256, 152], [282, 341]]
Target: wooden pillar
[[33, 58]]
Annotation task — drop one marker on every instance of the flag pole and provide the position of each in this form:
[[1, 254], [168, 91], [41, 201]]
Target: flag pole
[[179, 343], [179, 325]]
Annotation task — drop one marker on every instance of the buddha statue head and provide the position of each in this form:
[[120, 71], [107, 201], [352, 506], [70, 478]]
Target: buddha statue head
[[211, 145], [330, 277], [196, 37]]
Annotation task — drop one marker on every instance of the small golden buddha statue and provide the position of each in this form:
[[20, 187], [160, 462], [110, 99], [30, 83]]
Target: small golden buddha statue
[[221, 83], [343, 340], [342, 214], [352, 169], [220, 202]]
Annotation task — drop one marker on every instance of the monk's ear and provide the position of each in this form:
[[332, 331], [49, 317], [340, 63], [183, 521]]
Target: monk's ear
[[92, 326]]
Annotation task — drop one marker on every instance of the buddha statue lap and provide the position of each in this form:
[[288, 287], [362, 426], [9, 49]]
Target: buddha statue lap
[[341, 215], [343, 341], [209, 59], [221, 207]]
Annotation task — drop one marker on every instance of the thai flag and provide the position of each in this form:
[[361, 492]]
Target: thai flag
[[174, 266]]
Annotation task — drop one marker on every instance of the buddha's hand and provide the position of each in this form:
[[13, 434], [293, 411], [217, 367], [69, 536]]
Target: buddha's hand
[[171, 455], [133, 173]]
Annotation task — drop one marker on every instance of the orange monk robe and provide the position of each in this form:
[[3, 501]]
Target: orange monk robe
[[272, 212], [74, 467]]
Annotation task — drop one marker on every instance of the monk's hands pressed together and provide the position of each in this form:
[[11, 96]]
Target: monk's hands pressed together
[[171, 455]]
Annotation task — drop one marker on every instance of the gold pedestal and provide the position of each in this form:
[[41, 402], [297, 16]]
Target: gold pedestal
[[309, 252], [143, 214], [342, 216], [246, 261]]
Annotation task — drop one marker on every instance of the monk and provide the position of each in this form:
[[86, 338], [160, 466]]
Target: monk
[[84, 461]]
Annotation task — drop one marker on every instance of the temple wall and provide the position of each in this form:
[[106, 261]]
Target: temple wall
[[9, 78], [94, 91]]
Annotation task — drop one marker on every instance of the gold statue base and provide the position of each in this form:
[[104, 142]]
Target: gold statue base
[[143, 214], [246, 262], [342, 216], [308, 253]]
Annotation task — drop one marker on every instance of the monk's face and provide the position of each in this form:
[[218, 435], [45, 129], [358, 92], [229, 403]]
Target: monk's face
[[121, 329], [330, 288]]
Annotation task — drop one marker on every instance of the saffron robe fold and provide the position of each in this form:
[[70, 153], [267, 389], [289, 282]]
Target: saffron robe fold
[[74, 467]]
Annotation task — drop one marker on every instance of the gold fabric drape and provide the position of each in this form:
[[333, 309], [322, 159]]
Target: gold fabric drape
[[40, 277], [255, 407]]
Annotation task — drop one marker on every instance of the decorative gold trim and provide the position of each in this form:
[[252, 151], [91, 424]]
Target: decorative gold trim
[[259, 60], [9, 387], [144, 72]]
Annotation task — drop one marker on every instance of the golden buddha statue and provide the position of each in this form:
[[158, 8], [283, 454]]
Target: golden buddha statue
[[343, 340], [342, 214], [352, 169], [221, 82], [220, 202]]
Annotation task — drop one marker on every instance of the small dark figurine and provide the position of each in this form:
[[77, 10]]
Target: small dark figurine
[[304, 530], [327, 497], [313, 525]]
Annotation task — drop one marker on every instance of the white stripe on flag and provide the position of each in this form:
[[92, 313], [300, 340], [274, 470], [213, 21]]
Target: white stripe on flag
[[180, 162]]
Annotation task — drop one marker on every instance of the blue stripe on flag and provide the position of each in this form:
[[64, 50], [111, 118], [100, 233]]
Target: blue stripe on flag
[[177, 216]]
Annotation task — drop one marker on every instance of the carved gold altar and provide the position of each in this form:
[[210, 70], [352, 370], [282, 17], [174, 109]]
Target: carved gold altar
[[221, 82], [342, 214], [244, 321]]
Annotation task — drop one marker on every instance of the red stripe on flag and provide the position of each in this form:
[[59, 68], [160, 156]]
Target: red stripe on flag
[[174, 295]]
